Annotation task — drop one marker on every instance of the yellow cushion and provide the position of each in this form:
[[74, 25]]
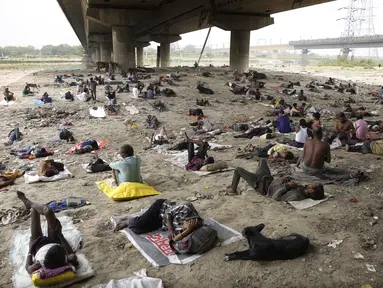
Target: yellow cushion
[[126, 191], [66, 276]]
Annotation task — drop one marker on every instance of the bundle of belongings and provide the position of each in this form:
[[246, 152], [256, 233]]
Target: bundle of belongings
[[97, 165], [31, 152]]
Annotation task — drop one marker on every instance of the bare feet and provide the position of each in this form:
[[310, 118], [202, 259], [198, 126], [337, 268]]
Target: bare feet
[[24, 199], [230, 191]]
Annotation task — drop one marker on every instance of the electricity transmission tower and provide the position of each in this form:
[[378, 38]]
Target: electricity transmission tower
[[359, 21]]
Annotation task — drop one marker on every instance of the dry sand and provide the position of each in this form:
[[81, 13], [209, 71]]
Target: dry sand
[[109, 252]]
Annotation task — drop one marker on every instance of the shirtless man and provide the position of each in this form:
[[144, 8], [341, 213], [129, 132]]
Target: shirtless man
[[342, 124], [315, 153]]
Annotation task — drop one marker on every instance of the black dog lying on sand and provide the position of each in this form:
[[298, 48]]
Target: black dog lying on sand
[[262, 248]]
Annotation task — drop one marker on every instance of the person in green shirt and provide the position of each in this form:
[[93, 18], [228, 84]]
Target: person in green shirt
[[129, 168]]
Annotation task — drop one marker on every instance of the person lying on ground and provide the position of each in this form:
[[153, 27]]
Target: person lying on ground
[[355, 112], [361, 128], [281, 189], [14, 135], [179, 220], [50, 168], [49, 252], [254, 132], [368, 147], [8, 95], [129, 168], [6, 181], [199, 159]]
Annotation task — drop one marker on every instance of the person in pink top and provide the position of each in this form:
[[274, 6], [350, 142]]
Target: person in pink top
[[361, 128]]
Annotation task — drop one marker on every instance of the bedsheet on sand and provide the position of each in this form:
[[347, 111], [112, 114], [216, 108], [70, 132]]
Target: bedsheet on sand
[[32, 177], [154, 246], [19, 250]]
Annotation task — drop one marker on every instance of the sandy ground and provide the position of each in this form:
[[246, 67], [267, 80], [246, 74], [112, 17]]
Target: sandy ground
[[109, 252]]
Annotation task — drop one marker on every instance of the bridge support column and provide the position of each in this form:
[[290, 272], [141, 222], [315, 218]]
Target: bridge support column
[[140, 56], [87, 61], [106, 51], [165, 41], [274, 54], [140, 52], [346, 52], [123, 46], [165, 55], [305, 54], [239, 49]]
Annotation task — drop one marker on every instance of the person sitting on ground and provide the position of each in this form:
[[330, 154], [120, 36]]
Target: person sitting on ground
[[368, 147], [344, 129], [111, 96], [180, 220], [46, 252], [69, 96], [361, 128], [281, 189], [67, 135], [303, 133], [283, 122], [301, 96], [203, 125], [257, 94], [129, 168], [84, 96], [315, 123], [27, 90], [199, 159], [46, 99], [149, 94], [315, 153], [294, 112], [8, 95]]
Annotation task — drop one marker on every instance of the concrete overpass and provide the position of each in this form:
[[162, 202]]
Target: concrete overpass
[[119, 27], [346, 43]]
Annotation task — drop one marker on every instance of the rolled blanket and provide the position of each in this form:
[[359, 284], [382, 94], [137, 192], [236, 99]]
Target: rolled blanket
[[45, 273]]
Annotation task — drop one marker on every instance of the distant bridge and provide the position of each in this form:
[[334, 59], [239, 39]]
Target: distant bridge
[[327, 43], [336, 43]]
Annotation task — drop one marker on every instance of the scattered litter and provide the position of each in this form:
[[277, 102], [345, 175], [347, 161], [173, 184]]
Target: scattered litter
[[335, 243], [358, 256], [370, 268]]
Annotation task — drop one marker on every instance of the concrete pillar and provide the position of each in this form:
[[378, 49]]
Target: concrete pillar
[[305, 54], [123, 46], [87, 61], [239, 49], [106, 51], [165, 54], [97, 54], [346, 52], [140, 56]]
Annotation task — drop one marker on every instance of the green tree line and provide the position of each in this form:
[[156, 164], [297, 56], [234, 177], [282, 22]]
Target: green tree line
[[48, 50]]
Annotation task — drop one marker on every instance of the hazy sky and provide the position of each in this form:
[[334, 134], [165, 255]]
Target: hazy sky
[[27, 22]]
